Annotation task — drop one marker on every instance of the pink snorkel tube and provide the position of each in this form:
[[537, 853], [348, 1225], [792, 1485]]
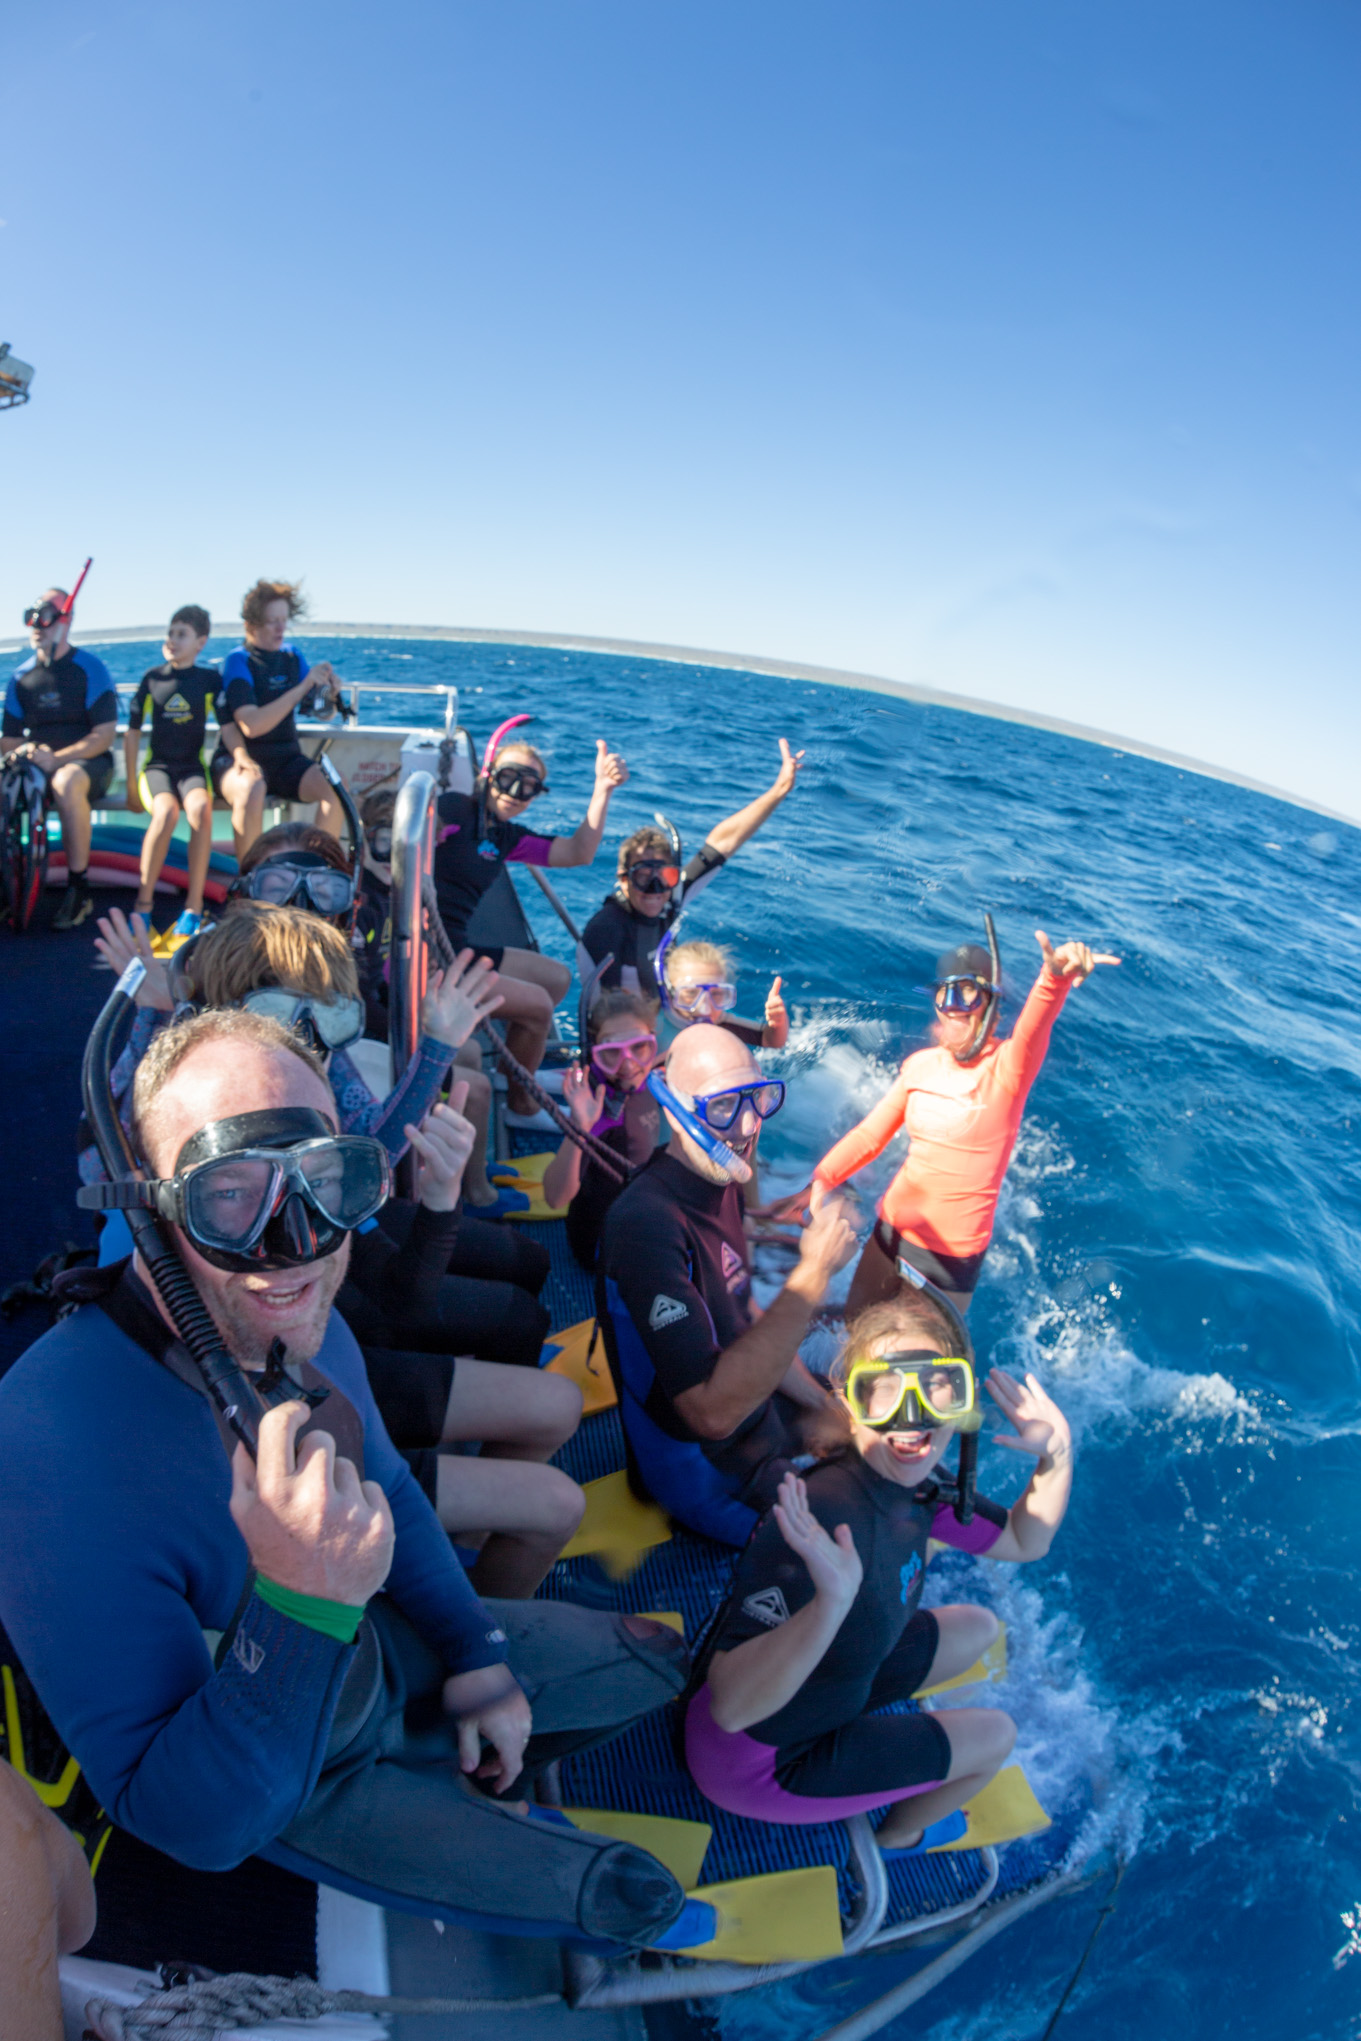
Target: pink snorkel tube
[[510, 723]]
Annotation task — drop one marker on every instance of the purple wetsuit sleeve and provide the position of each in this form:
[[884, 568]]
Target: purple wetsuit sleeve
[[407, 1103], [531, 850], [979, 1535]]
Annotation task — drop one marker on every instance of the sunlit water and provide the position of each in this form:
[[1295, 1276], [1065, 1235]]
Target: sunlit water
[[1176, 1256]]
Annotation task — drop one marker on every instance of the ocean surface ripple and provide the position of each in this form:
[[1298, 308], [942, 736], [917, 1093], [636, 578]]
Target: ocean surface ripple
[[1176, 1257]]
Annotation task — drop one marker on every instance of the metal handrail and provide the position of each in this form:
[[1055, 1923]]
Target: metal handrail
[[413, 849]]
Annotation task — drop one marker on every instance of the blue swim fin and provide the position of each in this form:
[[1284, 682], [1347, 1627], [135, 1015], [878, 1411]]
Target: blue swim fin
[[948, 1829]]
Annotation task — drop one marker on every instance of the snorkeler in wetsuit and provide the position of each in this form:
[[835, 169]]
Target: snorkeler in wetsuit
[[961, 1102], [652, 886], [697, 982], [61, 710], [822, 1629], [178, 695], [475, 835], [265, 681], [607, 1097]]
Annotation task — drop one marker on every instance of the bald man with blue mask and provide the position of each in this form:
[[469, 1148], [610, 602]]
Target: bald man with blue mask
[[716, 1403]]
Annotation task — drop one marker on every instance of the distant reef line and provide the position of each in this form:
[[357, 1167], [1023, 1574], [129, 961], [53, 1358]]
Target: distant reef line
[[779, 669]]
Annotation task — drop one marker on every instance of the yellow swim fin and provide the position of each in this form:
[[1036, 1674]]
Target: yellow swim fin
[[617, 1529], [784, 1917], [680, 1845], [672, 1618], [524, 1173], [590, 1371], [991, 1666], [1005, 1810]]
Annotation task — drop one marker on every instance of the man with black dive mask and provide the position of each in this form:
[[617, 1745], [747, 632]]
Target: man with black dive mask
[[337, 1596], [62, 710], [653, 886], [715, 1400]]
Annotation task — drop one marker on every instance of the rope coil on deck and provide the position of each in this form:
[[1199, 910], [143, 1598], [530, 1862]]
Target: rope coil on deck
[[215, 2005]]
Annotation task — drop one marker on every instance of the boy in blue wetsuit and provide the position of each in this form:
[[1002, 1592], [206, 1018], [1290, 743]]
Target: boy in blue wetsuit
[[130, 1527], [265, 682], [179, 695], [62, 710]]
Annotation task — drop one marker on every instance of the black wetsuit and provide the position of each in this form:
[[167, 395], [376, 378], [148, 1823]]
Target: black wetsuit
[[446, 1282], [829, 1744], [372, 942], [59, 704], [471, 846], [180, 700], [253, 679], [631, 1136], [631, 939], [674, 1292]]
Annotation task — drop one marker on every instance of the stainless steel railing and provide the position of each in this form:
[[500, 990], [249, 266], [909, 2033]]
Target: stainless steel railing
[[413, 850]]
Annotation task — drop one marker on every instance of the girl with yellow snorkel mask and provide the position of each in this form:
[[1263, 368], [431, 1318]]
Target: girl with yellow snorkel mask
[[822, 1625]]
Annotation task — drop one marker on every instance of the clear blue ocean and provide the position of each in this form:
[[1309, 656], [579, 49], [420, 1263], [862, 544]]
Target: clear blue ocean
[[1176, 1256]]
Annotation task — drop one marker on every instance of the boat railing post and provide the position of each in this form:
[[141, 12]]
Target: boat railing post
[[413, 832]]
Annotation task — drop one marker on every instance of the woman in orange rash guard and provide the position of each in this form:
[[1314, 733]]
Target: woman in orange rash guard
[[961, 1102]]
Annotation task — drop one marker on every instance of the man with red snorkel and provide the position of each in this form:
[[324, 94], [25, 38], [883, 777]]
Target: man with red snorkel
[[61, 711]]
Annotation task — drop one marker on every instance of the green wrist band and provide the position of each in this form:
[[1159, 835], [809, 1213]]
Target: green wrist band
[[340, 1620]]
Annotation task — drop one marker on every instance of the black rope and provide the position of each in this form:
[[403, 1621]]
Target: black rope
[[595, 1151], [1102, 1917]]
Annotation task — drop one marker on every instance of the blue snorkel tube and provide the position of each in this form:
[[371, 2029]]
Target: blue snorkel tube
[[659, 970], [717, 1149]]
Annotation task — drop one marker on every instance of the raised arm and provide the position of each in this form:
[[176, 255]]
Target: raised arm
[[755, 1365], [580, 848], [757, 1678], [562, 1178], [869, 1139], [730, 834], [1022, 1054], [1039, 1428]]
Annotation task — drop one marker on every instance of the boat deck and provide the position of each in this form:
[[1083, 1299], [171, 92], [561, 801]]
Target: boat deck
[[53, 995]]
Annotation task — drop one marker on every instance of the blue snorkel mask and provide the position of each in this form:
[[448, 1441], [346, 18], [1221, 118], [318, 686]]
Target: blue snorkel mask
[[965, 987], [707, 1118]]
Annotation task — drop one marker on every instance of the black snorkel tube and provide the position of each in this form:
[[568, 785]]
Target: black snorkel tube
[[223, 1377], [353, 824], [584, 1005], [990, 1011], [966, 1480]]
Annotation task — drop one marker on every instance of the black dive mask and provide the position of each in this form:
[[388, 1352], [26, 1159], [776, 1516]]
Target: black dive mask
[[266, 1190]]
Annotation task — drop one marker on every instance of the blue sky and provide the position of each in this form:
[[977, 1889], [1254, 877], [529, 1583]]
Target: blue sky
[[1004, 347]]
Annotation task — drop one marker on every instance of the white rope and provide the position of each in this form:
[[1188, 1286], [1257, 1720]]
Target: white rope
[[195, 2012]]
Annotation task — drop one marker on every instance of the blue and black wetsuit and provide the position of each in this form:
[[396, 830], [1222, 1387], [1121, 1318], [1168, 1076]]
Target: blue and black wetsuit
[[286, 1740], [253, 678], [59, 704], [180, 700], [674, 1292]]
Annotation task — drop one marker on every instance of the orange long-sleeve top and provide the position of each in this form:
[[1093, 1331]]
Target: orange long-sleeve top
[[963, 1119]]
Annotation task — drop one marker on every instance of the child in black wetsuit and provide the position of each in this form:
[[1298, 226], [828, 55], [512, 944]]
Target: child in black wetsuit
[[607, 1098], [822, 1626], [179, 695]]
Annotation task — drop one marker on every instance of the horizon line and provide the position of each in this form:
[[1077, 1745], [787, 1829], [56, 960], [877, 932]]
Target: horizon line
[[779, 669]]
